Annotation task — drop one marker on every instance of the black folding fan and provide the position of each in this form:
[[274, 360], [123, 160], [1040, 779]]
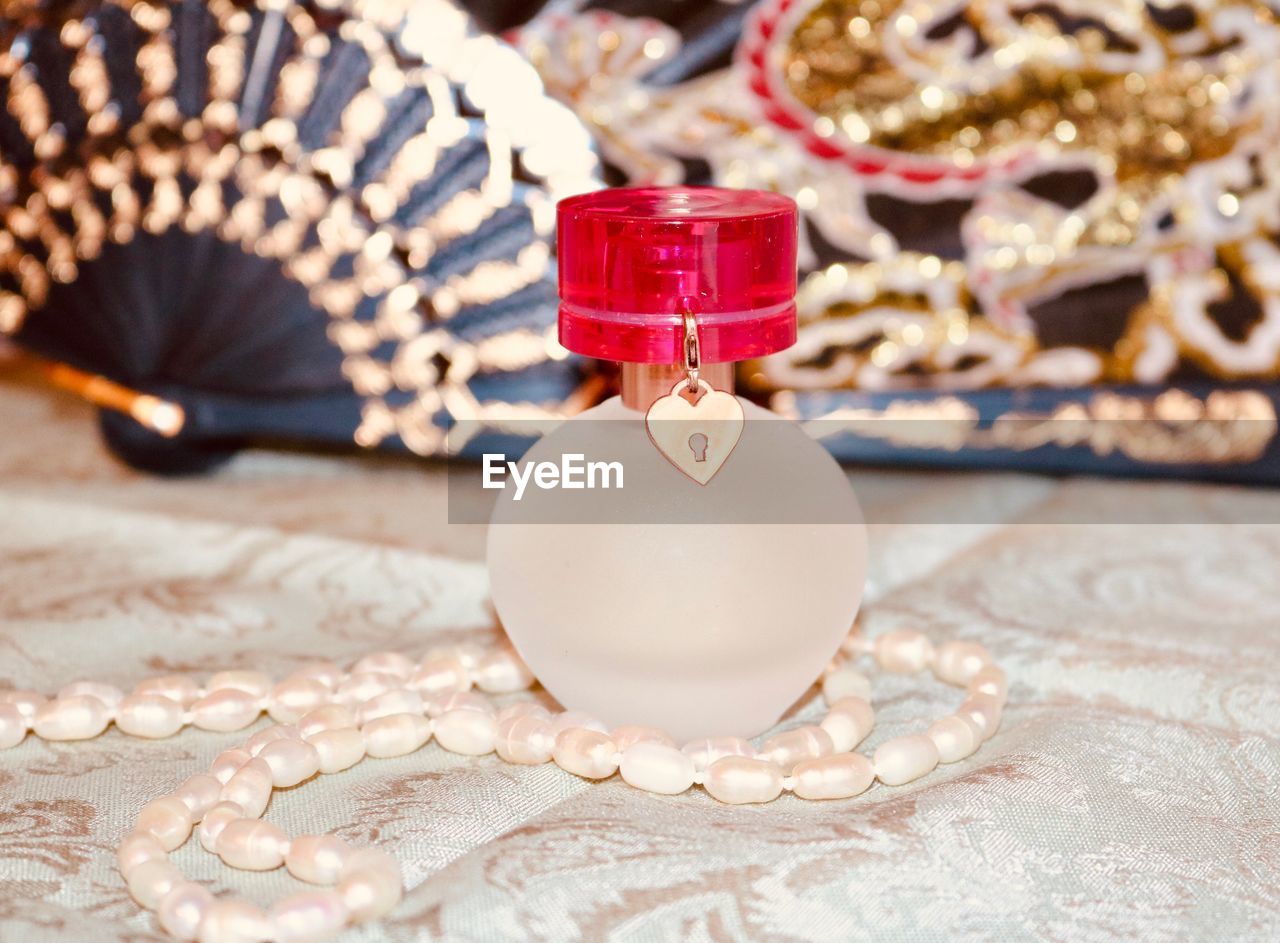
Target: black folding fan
[[309, 221]]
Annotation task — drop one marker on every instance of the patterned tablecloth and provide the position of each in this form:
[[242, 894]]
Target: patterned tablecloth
[[1133, 791]]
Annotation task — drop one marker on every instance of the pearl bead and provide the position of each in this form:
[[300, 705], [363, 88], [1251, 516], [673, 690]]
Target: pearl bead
[[359, 688], [467, 653], [399, 701], [150, 881], [329, 717], [325, 673], [338, 749], [149, 715], [291, 761], [985, 711], [524, 709], [656, 767], [268, 735], [525, 738], [183, 909], [370, 884], [628, 734], [317, 859], [226, 710], [199, 794], [440, 674], [138, 848], [108, 694], [957, 662], [252, 845], [13, 726], [848, 722], [468, 732], [27, 702], [178, 688], [387, 663], [833, 777], [706, 751], [741, 779], [456, 701], [369, 895], [502, 672], [373, 861], [291, 699], [903, 651], [228, 763], [903, 759], [73, 718], [566, 720], [585, 752], [308, 917], [856, 644], [257, 684], [234, 921], [250, 788], [796, 746], [972, 724], [396, 735], [991, 681], [845, 682], [168, 819], [214, 821], [954, 738]]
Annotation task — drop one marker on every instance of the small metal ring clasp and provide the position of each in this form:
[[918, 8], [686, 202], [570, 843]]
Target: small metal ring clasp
[[692, 353]]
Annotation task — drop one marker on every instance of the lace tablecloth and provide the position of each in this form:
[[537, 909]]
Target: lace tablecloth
[[1133, 791]]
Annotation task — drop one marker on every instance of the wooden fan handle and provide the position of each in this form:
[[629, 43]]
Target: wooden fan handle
[[158, 415]]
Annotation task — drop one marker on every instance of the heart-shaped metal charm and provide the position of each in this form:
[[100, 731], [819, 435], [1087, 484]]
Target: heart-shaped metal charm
[[695, 433]]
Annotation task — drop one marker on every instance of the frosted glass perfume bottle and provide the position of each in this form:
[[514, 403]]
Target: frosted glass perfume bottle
[[702, 609]]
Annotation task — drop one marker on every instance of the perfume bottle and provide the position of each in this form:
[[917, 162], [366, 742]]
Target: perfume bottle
[[705, 591]]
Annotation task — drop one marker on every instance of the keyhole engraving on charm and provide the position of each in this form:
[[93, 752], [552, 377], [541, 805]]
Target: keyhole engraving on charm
[[671, 420]]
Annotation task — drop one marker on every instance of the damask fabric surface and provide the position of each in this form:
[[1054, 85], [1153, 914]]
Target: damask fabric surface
[[1133, 791]]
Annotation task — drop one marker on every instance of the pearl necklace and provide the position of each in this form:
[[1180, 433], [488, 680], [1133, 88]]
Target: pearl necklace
[[327, 720]]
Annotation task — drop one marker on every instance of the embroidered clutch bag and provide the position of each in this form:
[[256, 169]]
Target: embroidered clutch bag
[[1041, 236]]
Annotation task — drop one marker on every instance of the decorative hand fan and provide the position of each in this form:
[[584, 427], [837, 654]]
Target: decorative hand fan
[[1050, 228], [319, 221]]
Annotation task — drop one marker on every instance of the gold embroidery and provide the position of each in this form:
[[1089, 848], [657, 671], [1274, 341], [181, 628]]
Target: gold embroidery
[[1172, 428]]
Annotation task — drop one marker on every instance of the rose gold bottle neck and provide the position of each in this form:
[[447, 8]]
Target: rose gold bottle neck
[[642, 383]]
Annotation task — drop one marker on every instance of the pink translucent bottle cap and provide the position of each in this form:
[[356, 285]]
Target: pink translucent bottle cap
[[633, 261]]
